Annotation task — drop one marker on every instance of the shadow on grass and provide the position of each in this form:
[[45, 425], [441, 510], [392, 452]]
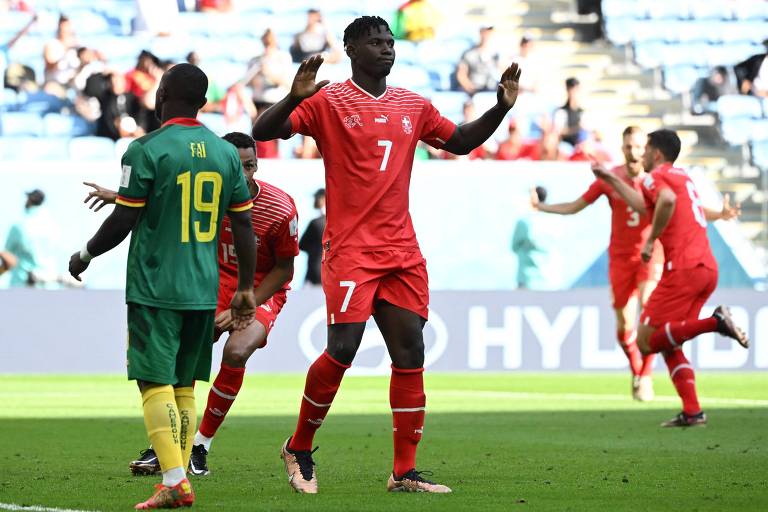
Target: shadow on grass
[[612, 460]]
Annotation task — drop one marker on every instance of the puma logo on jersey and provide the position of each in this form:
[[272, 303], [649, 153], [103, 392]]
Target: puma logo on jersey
[[407, 126], [266, 307], [381, 118], [352, 121]]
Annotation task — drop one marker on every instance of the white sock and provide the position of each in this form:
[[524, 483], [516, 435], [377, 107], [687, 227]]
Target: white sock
[[201, 439], [173, 476]]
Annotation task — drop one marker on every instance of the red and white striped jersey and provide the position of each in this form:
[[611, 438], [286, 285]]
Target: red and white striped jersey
[[275, 225], [367, 144]]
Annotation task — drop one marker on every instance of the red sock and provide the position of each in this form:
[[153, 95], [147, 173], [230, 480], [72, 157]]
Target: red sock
[[673, 334], [628, 345], [408, 402], [648, 360], [220, 398], [681, 372], [323, 380]]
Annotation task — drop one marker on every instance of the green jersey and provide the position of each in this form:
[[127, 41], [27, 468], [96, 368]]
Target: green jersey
[[184, 177]]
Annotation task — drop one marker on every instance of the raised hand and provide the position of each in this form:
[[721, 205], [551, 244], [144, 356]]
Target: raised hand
[[509, 86], [730, 212], [99, 196], [304, 84], [600, 171]]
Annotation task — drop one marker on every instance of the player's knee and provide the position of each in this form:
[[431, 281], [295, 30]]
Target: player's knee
[[409, 356], [236, 357], [643, 342], [342, 352]]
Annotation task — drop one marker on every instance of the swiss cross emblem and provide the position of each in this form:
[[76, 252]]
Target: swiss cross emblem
[[407, 126], [352, 121]]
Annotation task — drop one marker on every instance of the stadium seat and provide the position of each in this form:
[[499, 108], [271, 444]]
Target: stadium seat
[[60, 125], [34, 148], [87, 22], [712, 10], [214, 122], [759, 130], [8, 100], [750, 10], [450, 104], [736, 130], [17, 124], [619, 30], [441, 75], [666, 9], [760, 154], [681, 78], [648, 54], [622, 8], [40, 102], [738, 105], [410, 77], [91, 148]]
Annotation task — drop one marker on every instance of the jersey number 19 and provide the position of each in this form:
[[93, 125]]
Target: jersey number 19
[[211, 207]]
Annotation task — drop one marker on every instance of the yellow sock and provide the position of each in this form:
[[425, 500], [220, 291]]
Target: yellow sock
[[163, 423], [185, 401]]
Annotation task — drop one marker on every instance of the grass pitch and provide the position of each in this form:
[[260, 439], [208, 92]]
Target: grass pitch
[[503, 442]]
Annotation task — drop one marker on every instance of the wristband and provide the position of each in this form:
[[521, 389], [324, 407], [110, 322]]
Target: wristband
[[85, 256]]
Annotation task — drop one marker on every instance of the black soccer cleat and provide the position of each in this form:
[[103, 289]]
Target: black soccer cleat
[[684, 420], [727, 327], [198, 461], [147, 464]]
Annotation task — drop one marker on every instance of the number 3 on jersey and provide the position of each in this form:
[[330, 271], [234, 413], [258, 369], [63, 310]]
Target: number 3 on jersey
[[201, 205], [387, 145], [634, 218]]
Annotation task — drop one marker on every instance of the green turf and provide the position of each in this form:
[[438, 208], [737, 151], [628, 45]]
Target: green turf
[[502, 441]]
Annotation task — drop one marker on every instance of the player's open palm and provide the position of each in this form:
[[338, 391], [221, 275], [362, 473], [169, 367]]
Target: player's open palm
[[304, 84], [730, 211], [243, 306], [509, 86], [99, 196]]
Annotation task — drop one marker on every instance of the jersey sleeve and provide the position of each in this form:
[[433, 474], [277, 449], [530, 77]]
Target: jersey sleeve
[[436, 129], [595, 190], [240, 200], [138, 175], [304, 117], [287, 237]]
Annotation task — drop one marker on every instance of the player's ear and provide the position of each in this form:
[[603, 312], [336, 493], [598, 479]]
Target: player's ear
[[350, 50]]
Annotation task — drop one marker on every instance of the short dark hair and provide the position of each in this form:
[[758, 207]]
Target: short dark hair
[[572, 82], [240, 140], [186, 83], [362, 26], [541, 193], [667, 142], [631, 130]]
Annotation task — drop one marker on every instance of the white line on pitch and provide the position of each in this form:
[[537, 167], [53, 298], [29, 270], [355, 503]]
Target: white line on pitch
[[35, 508], [584, 397]]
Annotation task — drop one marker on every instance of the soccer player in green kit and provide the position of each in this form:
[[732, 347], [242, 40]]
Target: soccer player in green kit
[[177, 182]]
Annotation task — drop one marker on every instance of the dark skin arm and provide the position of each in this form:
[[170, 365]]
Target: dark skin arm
[[113, 231], [243, 303]]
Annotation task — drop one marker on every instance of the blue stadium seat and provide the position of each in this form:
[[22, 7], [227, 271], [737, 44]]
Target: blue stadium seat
[[450, 104], [224, 72], [711, 10], [441, 75], [760, 154], [91, 148], [743, 31], [737, 130], [214, 122], [622, 9], [619, 30], [760, 130], [60, 125], [18, 124], [8, 100], [666, 9], [751, 10], [737, 105], [40, 102], [681, 78], [644, 31], [87, 22], [692, 54], [410, 77], [443, 51], [407, 52], [34, 148], [13, 21], [649, 54]]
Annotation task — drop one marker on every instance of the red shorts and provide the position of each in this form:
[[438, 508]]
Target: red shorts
[[354, 281], [679, 296], [266, 314], [627, 274]]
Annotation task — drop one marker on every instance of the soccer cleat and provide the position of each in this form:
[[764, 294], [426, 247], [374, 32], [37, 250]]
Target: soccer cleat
[[300, 468], [198, 460], [412, 481], [180, 495], [684, 420], [146, 464], [726, 327], [644, 389]]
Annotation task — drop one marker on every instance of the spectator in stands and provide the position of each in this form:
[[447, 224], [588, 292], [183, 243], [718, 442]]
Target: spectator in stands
[[416, 20], [120, 108], [752, 74], [143, 77], [315, 38], [307, 149], [32, 240], [514, 147], [311, 241], [479, 67], [271, 73], [483, 151], [526, 61], [214, 5], [91, 62], [568, 119], [532, 242], [60, 56], [707, 90], [591, 149]]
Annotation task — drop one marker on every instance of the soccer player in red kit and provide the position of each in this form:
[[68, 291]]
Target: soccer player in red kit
[[274, 220], [367, 134], [679, 221], [630, 277]]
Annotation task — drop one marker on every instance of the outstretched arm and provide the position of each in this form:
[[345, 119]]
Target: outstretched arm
[[99, 196], [727, 212], [273, 123], [113, 231], [570, 208], [470, 135], [629, 194]]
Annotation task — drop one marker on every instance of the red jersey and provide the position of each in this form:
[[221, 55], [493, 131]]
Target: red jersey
[[685, 238], [367, 144], [629, 229], [275, 225]]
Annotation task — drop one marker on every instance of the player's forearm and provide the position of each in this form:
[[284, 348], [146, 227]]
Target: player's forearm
[[245, 248], [274, 281], [661, 216], [273, 123], [712, 215], [470, 135], [560, 208], [629, 194], [113, 230]]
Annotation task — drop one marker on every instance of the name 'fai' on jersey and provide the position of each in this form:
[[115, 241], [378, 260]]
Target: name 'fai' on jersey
[[368, 144]]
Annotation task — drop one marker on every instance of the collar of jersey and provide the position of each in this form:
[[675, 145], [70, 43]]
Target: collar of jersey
[[664, 167], [184, 121], [386, 90]]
